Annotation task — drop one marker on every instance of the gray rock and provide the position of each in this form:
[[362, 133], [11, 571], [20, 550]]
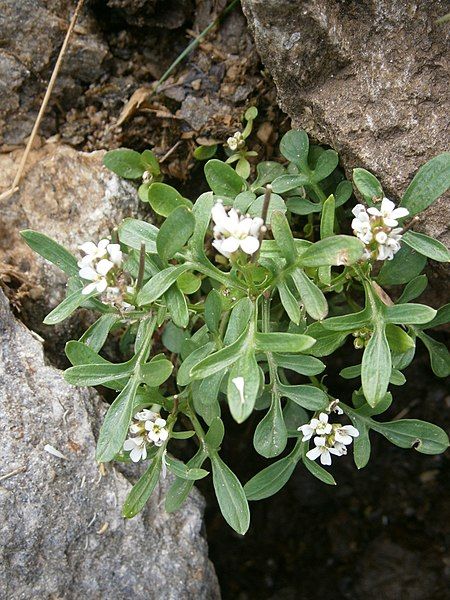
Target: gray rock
[[71, 197], [368, 78], [60, 524]]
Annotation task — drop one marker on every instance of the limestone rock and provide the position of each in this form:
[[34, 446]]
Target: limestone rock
[[72, 198], [367, 78], [61, 528]]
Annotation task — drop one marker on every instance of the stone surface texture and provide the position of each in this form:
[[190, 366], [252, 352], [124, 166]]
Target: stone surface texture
[[72, 198], [62, 534], [367, 77]]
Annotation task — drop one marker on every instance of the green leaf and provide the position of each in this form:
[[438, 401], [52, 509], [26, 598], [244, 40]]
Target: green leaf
[[230, 496], [294, 146], [290, 303], [312, 297], [397, 378], [205, 152], [409, 314], [361, 445], [406, 264], [173, 337], [220, 360], [306, 396], [213, 310], [442, 317], [412, 433], [266, 171], [205, 396], [160, 283], [427, 246], [98, 374], [270, 436], [399, 341], [178, 468], [242, 404], [67, 307], [125, 163], [180, 489], [276, 203], [336, 250], [188, 283], [223, 179], [251, 113], [316, 469], [114, 430], [327, 218], [430, 182], [214, 436], [270, 480], [302, 206], [304, 365], [51, 250], [439, 355], [326, 341], [413, 289], [96, 335], [150, 162], [283, 236], [157, 371], [343, 192], [184, 375], [133, 232], [376, 366], [164, 199], [326, 164], [283, 342], [368, 185], [175, 232], [239, 319], [177, 306], [202, 213], [143, 489], [350, 322], [286, 183]]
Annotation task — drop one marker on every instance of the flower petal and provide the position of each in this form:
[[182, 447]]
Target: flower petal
[[230, 245], [250, 244]]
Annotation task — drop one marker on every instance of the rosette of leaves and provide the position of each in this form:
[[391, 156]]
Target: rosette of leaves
[[197, 328]]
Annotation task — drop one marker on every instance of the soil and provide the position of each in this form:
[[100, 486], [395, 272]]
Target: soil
[[381, 532]]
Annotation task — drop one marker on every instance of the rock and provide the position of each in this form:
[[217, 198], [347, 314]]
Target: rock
[[367, 78], [32, 33], [72, 198], [61, 528]]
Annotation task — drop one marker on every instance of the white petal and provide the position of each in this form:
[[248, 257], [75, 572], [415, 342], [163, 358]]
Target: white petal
[[230, 245], [325, 457], [163, 434], [233, 218], [88, 273], [91, 287], [101, 285], [160, 422], [86, 261], [136, 454], [250, 244], [399, 213], [88, 247], [390, 222], [257, 223], [218, 213], [374, 211], [319, 441], [244, 226], [387, 206], [314, 453], [323, 417], [104, 266], [381, 237], [351, 430], [129, 444], [102, 245]]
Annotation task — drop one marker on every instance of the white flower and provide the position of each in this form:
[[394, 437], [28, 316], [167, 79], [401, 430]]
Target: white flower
[[344, 434], [146, 415], [93, 252], [236, 142], [318, 426], [374, 227], [388, 212], [157, 433], [233, 232], [239, 384], [137, 448], [334, 407], [115, 254], [321, 449], [96, 275]]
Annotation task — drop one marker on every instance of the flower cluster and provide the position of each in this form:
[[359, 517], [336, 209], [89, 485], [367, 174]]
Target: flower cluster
[[377, 228], [362, 337], [102, 265], [236, 142], [147, 428], [233, 231], [329, 438]]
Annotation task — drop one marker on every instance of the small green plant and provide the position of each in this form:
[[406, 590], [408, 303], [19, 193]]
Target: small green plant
[[234, 299]]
